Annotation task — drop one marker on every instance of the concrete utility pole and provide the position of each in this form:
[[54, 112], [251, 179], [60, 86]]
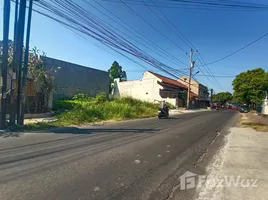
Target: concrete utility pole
[[211, 93], [19, 50], [190, 79], [25, 67], [14, 69], [4, 65]]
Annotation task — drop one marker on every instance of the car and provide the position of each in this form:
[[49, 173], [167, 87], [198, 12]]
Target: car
[[244, 109], [234, 107]]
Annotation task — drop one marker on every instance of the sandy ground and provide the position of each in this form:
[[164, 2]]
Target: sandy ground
[[240, 169]]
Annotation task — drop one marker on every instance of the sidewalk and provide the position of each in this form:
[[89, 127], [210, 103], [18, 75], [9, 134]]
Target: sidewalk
[[37, 120], [244, 159], [196, 110]]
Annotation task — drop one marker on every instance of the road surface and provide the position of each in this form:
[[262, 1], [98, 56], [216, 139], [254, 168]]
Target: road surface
[[137, 159]]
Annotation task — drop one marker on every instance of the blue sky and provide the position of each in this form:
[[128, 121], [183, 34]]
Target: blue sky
[[215, 34]]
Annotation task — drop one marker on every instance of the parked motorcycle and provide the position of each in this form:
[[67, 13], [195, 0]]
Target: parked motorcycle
[[162, 114]]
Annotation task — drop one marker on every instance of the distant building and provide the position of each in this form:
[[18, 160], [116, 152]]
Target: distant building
[[152, 87], [201, 91], [71, 78]]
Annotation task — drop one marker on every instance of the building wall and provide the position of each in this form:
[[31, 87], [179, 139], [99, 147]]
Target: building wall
[[71, 78], [172, 101], [203, 93], [194, 85], [196, 88], [145, 89]]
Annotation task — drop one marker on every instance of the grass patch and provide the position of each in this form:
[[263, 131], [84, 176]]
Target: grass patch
[[94, 110], [40, 125], [83, 109], [255, 125]]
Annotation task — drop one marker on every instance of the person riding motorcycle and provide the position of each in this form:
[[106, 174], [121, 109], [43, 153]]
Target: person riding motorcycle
[[164, 107]]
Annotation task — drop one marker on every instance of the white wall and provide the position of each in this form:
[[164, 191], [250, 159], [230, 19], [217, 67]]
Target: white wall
[[145, 89], [264, 110], [172, 101]]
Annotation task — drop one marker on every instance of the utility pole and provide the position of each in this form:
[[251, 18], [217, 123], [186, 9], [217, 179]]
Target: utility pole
[[190, 79], [14, 70], [4, 64], [211, 93], [19, 50], [25, 66]]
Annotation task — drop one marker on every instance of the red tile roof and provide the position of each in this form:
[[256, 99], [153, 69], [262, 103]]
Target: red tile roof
[[168, 80], [173, 82]]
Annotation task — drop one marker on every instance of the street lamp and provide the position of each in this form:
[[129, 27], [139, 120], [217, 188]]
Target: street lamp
[[195, 73]]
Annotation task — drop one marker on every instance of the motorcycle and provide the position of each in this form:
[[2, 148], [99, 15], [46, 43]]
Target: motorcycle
[[162, 114]]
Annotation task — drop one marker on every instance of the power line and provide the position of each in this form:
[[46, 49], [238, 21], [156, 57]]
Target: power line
[[153, 62], [222, 4], [103, 48], [174, 32], [165, 25], [189, 44], [132, 49], [208, 71], [151, 26], [135, 33], [177, 35], [218, 76], [203, 6], [231, 54], [71, 11], [127, 47]]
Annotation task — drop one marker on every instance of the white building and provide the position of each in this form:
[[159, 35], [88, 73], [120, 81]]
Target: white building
[[264, 109], [152, 87]]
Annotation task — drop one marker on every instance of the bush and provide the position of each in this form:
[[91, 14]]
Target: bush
[[102, 97], [81, 96], [63, 105], [170, 106]]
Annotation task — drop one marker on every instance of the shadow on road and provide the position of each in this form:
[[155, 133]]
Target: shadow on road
[[75, 130], [9, 134]]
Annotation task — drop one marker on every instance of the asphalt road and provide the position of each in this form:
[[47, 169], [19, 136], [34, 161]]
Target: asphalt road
[[139, 159]]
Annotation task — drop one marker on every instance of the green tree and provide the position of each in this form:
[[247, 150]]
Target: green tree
[[249, 86], [222, 97], [116, 71]]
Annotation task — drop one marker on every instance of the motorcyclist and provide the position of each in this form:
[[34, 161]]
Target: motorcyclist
[[164, 107]]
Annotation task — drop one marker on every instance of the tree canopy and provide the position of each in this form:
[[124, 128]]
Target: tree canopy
[[249, 86], [222, 97], [116, 71]]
